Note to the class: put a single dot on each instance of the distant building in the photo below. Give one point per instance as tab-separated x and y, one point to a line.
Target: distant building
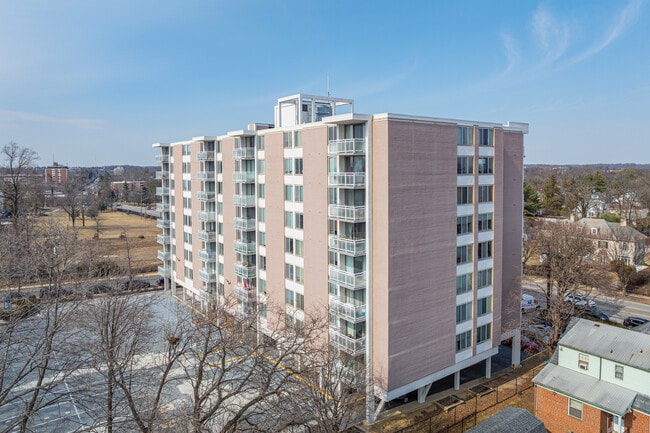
615	241
598	380
56	174
118	171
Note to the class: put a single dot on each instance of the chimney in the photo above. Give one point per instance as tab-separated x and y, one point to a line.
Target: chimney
572	218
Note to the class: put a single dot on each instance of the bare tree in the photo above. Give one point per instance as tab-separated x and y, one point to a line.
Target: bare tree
18	164
72	201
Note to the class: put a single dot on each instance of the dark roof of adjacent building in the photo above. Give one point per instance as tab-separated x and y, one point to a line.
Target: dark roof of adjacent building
510	420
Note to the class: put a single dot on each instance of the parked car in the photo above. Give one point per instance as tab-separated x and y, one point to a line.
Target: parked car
631	322
97	289
12	297
540	333
596	314
53	292
528	345
528	303
580	301
135	285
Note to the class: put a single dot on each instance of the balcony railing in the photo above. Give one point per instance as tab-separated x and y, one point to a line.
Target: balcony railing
162	190
162	175
205	156
205	175
207	216
164	271
207	276
162	158
245	294
207	236
347	213
353	346
350	247
162	224
244	200
207	255
163	256
347	146
243	176
243	153
352	280
162	239
246	224
162	207
349	180
245	248
245	271
349	312
205	195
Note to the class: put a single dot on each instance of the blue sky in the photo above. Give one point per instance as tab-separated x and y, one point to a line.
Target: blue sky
89	82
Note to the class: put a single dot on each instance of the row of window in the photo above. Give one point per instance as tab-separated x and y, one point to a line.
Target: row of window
293	193
464	311
465	136
464	252
464	282
465	194
464	339
296	300
293	220
293	166
294	273
293	246
464	224
465	165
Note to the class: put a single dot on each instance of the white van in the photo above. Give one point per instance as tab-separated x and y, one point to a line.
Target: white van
528	303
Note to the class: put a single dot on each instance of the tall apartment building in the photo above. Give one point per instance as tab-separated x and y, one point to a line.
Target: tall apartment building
408	229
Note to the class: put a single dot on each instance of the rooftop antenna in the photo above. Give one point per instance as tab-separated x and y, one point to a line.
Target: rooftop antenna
328	85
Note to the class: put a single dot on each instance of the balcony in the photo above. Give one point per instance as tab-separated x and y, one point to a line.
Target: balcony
162	239
162	190
245	294
205	196
162	207
349	312
347	180
164	272
246	224
244	200
207	255
205	175
163	256
353	346
243	176
351	280
162	158
243	153
347	213
245	248
207	217
162	175
207	276
162	224
347	146
350	247
205	156
207	236
245	270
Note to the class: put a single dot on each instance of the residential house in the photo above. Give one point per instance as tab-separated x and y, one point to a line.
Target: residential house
615	241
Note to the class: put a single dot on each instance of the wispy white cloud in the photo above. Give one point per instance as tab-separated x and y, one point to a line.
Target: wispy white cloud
10	117
511	51
625	19
551	33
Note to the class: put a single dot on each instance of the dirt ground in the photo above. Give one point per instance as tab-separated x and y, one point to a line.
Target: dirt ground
115	230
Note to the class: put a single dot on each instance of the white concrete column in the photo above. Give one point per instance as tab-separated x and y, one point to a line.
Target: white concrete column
457	380
516	348
488	368
422	393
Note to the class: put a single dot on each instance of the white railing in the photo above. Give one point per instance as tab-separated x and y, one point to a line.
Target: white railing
244	224
162	224
163	256
351	247
162	207
243	153
349	312
205	175
347	213
243	176
245	294
206	196
162	175
347	179
207	276
162	158
348	279
205	156
353	346
244	200
164	271
347	146
245	248
162	239
245	271
162	190
206	216
207	236
207	256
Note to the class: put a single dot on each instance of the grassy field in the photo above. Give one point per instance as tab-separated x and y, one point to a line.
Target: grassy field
115	230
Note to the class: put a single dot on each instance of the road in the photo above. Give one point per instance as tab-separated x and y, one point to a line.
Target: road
616	307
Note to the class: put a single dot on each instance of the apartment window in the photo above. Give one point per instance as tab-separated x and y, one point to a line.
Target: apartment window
297	165
300	272
464	195
188	273
464	224
187	185
299	221
288	193
262	263
486	165
262	238
485	136
288	166
288	219
188	255
218	146
220	289
298	193
262	285
575	408
289	297
288	271
286	139
463	341
260	166
220	208
463	283
484	278
288	245
219	187
261	215
464	254
484	221
464	165
483	333
602	244
485	193
484	250
464	135
219	167
220	228
260	142
220	248
463	312
300	301
187	220
618	371
484	306
297	139
299	248
583	361
221	268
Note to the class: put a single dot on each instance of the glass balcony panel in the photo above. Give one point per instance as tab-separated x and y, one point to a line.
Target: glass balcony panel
162	207
162	158
347	213
205	156
245	294
353	346
349	312
207	255
162	223
245	248
347	146
205	175
206	196
207	216
163	255
350	280
162	190
350	247
162	175
349	180
207	276
164	271
245	270
243	176
207	236
244	200
244	224
162	239
243	153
